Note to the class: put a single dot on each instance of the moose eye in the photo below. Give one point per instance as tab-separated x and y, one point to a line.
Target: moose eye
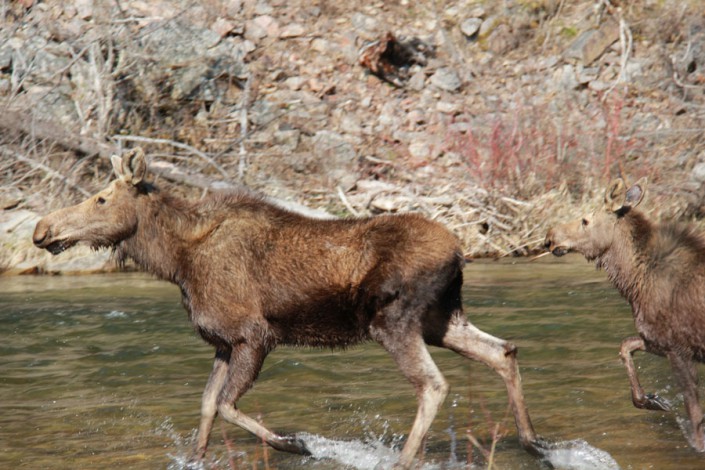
586	222
101	201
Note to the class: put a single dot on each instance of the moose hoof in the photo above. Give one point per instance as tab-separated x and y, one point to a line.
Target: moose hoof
653	402
538	447
291	444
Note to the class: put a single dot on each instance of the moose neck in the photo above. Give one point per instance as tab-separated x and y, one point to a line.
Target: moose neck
159	244
626	260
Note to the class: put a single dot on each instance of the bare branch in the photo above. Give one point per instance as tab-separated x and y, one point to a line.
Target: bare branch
49	171
173	143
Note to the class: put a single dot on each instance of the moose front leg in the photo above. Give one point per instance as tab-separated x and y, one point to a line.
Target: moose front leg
245	363
640	399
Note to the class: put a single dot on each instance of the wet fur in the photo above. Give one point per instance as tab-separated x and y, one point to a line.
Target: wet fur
660	270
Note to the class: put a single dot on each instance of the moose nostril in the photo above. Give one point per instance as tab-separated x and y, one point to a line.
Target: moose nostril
547	243
39	236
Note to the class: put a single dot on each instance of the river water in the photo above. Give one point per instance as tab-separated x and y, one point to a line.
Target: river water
104	371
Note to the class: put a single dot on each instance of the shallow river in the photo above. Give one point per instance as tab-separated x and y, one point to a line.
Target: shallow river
105	372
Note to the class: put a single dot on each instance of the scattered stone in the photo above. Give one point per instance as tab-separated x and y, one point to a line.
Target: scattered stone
350	124
416	116
417	82
389	203
478	12
587	74
222	27
320	45
488	25
336	157
366	26
447	79
598	85
293	30
698	172
84	9
420	150
287	138
294	83
565	79
501	40
471	26
268	24
448	107
591	44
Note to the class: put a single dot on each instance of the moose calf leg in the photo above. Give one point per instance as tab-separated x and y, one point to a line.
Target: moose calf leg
473	343
687	377
639	398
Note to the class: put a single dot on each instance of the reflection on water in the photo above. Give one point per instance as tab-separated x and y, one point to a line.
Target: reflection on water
105	371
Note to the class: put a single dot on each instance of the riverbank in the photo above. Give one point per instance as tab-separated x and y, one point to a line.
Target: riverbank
497	119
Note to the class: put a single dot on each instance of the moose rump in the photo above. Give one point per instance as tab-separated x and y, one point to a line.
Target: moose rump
254	276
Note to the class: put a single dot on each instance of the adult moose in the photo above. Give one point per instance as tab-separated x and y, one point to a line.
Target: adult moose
660	270
254	276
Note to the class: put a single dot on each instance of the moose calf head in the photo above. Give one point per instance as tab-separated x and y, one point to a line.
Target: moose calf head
103	220
592	234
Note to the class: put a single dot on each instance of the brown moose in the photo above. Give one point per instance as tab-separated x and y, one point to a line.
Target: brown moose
254	276
660	270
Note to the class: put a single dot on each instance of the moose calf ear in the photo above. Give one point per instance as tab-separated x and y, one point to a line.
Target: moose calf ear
615	195
636	193
134	166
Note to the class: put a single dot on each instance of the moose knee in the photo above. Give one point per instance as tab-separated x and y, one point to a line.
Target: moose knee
629	345
507	364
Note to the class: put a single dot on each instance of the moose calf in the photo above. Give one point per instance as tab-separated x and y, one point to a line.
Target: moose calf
254	276
660	270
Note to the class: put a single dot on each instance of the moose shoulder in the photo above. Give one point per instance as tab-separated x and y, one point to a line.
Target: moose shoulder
254	276
660	270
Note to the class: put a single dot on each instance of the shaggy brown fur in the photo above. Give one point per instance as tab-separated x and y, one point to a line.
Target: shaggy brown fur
254	276
660	270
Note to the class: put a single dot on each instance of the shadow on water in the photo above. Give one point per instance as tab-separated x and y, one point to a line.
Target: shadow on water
105	371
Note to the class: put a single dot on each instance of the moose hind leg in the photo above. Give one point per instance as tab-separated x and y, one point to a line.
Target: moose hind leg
210	398
646	401
471	342
411	355
245	363
687	377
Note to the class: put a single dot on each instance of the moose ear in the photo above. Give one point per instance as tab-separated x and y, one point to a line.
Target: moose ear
117	165
636	193
134	166
615	195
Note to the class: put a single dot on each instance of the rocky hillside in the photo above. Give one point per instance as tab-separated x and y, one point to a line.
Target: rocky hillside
497	118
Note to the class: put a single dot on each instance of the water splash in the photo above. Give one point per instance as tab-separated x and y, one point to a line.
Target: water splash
577	454
180	459
354	454
378	450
